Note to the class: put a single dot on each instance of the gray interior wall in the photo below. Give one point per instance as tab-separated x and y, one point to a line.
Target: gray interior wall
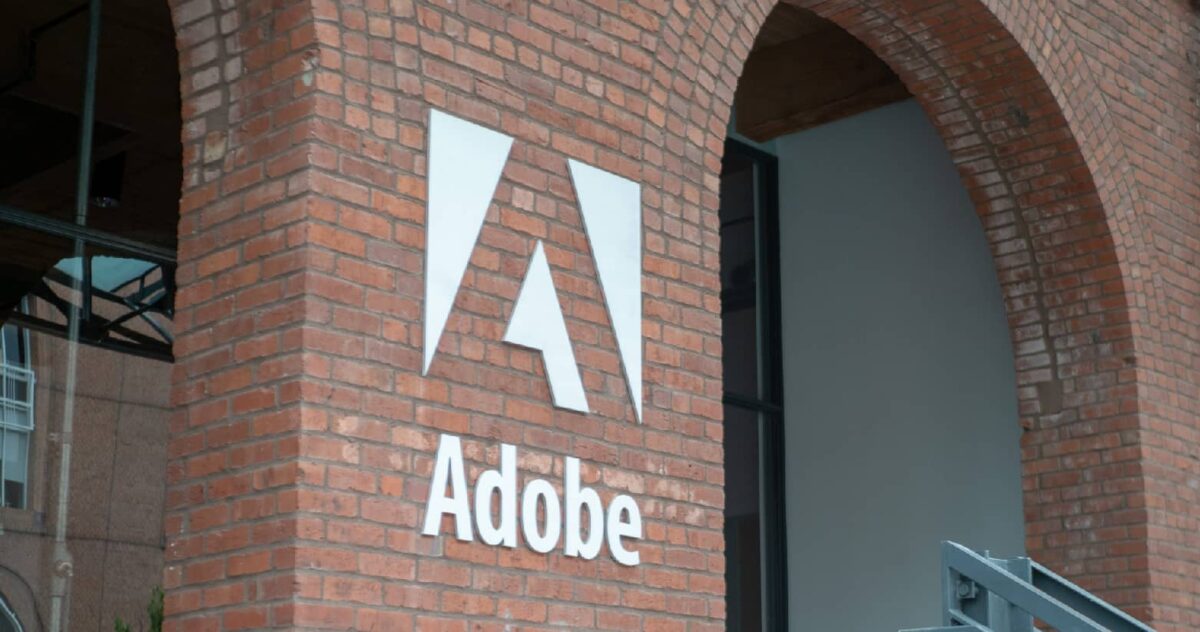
901	425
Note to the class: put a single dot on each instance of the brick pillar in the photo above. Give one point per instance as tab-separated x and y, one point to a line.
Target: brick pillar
304	435
245	296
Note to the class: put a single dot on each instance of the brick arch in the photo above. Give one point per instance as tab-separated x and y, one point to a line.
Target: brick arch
1062	245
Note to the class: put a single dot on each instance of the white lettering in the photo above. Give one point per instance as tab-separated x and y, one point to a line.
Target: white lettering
449	464
541	515
577	499
618	528
534	490
504	482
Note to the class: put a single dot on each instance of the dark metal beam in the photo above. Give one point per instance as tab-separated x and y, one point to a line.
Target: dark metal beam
157	351
25	219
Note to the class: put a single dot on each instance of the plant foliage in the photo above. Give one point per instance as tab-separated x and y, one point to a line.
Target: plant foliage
154	610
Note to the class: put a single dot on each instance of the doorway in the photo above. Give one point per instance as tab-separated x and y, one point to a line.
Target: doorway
870	388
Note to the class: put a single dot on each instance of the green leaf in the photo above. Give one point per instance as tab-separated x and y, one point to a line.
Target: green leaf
155	610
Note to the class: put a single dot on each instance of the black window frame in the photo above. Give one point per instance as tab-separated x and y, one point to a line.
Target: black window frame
769	403
141	296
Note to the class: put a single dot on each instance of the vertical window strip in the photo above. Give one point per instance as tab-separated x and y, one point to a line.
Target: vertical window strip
765	403
16	416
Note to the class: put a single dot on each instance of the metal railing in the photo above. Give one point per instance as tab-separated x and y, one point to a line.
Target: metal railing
986	594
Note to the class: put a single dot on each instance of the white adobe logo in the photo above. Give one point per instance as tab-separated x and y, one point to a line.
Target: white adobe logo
465	162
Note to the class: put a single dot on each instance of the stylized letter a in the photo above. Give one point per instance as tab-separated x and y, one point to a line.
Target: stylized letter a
465	162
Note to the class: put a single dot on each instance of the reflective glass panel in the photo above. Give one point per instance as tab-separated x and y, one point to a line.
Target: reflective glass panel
88	233
743	521
755	555
739	270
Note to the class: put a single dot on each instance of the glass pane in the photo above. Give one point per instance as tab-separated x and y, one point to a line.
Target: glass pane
738	278
94	387
12	345
16	465
19	391
26	256
743	521
115	407
129	301
109	274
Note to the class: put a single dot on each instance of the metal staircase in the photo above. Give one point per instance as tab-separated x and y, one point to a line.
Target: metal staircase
986	594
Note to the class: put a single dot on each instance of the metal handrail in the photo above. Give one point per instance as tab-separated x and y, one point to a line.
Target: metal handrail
987	594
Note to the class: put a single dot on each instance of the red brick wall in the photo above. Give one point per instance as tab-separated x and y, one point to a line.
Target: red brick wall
303	436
